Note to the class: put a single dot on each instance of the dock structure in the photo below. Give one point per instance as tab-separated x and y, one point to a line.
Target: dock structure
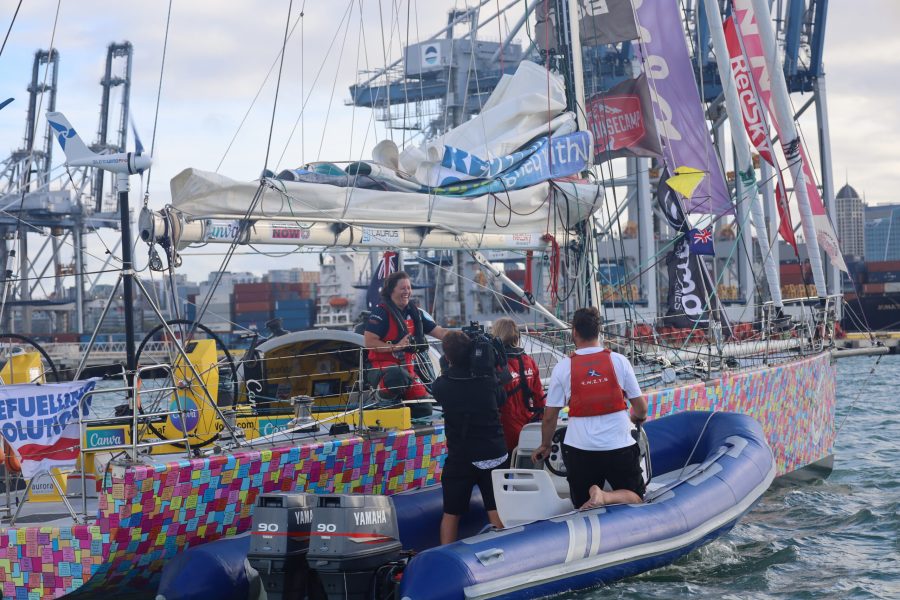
67	356
886	339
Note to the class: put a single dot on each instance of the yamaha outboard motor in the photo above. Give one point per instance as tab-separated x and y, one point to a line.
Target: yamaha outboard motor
279	541
354	545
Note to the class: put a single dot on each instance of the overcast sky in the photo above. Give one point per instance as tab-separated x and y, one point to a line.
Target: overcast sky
219	54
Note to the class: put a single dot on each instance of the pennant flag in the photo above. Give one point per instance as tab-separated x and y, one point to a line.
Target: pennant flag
600	21
686	180
41	423
701	241
622	121
386	266
669	204
5	102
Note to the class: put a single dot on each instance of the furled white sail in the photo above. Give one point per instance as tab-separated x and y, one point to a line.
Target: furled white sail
544	207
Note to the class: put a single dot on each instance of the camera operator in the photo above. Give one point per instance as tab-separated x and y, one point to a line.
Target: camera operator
524	391
475	444
394	332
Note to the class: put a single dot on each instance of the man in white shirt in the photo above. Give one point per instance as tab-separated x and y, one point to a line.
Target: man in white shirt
598	446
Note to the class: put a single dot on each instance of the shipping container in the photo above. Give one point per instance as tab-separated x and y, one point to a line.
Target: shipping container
294	304
253	316
873	288
880	266
250	307
883	276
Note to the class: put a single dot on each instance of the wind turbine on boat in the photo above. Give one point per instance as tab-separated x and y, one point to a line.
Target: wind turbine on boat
123	164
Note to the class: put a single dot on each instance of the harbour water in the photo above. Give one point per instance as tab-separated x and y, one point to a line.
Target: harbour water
832	538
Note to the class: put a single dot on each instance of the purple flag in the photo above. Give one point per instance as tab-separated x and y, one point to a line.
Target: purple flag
676	104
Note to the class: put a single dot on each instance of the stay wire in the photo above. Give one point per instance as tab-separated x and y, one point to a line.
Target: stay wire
8	31
162	70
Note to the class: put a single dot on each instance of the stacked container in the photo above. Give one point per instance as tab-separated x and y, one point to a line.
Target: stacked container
253	305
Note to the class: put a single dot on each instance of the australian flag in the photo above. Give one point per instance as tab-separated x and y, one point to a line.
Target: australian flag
386	266
701	241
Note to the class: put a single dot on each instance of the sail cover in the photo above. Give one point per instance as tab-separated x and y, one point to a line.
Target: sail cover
543	207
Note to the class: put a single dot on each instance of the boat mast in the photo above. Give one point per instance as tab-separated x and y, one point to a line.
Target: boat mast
790	141
588	290
740	141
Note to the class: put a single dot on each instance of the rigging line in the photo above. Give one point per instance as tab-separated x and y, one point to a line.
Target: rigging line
385	72
287	23
255	98
302	116
405	87
8	31
333	87
162	68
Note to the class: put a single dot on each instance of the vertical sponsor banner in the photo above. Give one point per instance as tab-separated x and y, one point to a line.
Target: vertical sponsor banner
748	33
753	110
687	303
677	107
622	123
40	422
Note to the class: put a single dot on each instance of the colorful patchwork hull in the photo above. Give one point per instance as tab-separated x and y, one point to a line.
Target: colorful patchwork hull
150	513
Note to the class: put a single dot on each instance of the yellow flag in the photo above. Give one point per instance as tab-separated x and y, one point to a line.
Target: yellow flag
685	180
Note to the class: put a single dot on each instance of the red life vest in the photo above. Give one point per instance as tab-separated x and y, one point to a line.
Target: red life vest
595	388
395	333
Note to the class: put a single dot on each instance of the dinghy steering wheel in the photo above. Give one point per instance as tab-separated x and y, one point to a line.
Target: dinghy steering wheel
554	462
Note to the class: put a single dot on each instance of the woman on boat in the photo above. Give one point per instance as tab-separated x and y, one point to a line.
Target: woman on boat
394	332
599	446
524	392
475	444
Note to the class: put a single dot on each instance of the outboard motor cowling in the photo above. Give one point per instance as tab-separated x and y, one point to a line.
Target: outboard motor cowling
352	538
279	541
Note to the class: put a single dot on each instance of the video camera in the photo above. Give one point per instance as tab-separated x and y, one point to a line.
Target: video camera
488	353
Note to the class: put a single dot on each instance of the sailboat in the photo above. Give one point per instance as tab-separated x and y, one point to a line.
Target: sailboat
508	179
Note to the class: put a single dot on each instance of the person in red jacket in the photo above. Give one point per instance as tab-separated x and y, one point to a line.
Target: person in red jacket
394	332
524	392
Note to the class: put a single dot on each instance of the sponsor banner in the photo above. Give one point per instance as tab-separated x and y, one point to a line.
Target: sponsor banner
105	437
289	232
40	422
380	236
676	102
546	158
687	296
753	109
622	121
600	21
223	230
524	240
748	34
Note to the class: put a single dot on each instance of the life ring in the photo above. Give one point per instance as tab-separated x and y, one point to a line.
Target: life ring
12	461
